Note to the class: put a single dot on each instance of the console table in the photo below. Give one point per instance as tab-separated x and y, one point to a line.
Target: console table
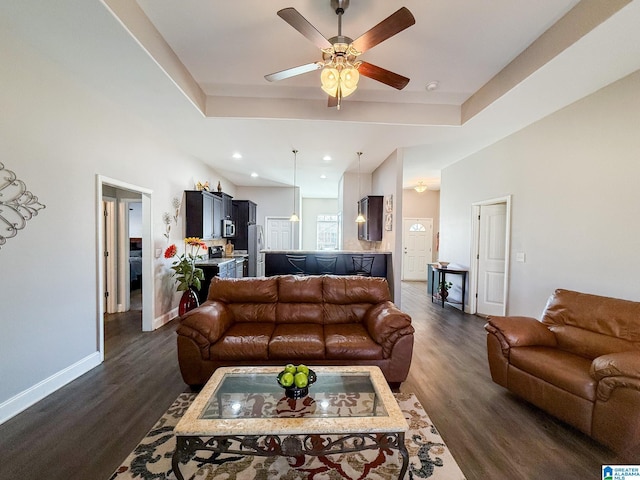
442	275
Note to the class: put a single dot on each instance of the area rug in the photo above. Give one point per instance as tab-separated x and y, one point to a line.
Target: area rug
429	457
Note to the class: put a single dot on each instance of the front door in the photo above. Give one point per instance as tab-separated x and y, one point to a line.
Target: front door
491	259
417	248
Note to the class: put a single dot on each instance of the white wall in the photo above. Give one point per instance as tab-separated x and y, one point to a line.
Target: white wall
386	181
576	200
350	193
274	202
57	135
311	208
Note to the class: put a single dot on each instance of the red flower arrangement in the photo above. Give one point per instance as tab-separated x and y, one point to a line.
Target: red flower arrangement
184	268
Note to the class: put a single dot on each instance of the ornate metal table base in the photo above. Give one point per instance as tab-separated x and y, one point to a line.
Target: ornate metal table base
289	446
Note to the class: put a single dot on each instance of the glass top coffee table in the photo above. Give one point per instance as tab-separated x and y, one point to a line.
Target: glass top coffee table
243	411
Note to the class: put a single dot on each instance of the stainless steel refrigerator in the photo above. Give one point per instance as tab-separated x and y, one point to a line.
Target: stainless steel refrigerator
255	247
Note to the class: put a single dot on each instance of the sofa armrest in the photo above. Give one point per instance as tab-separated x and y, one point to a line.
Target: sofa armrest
386	323
520	332
615	370
206	324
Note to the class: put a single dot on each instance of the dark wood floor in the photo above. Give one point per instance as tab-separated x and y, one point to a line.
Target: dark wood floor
84	430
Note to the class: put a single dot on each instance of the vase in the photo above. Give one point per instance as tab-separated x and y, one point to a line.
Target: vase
188	301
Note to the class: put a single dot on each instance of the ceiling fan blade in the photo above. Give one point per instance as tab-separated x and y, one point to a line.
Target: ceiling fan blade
301	24
387	28
292	72
332	102
382	75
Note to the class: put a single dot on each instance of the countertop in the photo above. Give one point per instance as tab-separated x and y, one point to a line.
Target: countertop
329	252
210	262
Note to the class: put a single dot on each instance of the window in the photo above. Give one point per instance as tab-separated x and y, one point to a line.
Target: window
327	232
417	227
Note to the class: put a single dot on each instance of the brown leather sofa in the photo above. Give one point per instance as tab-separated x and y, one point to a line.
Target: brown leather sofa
316	320
580	363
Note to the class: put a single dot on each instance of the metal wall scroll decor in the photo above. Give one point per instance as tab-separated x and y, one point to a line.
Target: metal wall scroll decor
17	205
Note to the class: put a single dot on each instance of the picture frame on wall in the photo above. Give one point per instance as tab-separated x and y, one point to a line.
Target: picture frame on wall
388	204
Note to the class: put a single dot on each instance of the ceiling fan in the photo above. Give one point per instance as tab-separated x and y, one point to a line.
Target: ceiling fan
340	66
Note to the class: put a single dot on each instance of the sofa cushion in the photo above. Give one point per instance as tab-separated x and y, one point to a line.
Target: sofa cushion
253	312
299	289
563	369
350	341
244	290
243	341
345	290
352	313
299	313
614	322
295	341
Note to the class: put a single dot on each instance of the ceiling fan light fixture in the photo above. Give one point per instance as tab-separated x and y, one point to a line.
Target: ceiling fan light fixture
421	187
330	78
339	82
349	78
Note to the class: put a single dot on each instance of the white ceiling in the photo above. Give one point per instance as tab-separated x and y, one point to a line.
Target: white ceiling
216	55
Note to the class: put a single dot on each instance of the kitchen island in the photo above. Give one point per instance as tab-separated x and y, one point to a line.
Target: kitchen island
373	263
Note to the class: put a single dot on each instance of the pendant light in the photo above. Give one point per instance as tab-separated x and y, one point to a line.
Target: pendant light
294	216
360	218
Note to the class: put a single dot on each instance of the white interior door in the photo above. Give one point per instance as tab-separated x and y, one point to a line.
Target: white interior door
492	259
279	234
109	255
417	235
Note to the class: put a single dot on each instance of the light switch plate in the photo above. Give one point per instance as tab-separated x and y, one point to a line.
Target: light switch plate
520	257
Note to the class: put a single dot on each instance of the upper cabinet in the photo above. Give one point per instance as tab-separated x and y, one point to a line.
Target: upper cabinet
203	212
227	205
371	209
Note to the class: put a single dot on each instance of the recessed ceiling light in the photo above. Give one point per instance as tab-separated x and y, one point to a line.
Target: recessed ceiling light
431	86
237	156
254	174
323	176
326	158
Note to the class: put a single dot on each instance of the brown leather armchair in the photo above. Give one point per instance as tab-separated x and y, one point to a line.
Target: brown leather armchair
580	363
317	320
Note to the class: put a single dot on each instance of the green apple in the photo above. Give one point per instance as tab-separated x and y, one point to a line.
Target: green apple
287	379
291	368
303	368
301	380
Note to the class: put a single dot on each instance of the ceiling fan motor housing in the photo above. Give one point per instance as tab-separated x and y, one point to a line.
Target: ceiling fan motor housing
339	6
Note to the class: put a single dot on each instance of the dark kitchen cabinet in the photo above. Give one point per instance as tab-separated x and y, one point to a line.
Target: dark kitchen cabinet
245	211
227	205
371	209
217	216
199	214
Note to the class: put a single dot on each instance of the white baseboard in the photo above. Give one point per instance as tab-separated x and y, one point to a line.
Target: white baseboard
34	394
166	318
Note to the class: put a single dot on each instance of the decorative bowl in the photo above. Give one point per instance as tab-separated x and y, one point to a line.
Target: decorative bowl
443	264
297	393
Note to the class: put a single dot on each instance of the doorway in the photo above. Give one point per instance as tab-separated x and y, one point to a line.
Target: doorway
148	308
490	250
417	247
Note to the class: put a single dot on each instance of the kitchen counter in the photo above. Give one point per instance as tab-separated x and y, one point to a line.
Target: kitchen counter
210	262
333	262
329	252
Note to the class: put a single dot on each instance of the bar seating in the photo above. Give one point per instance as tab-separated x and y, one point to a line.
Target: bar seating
327	264
299	263
362	265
